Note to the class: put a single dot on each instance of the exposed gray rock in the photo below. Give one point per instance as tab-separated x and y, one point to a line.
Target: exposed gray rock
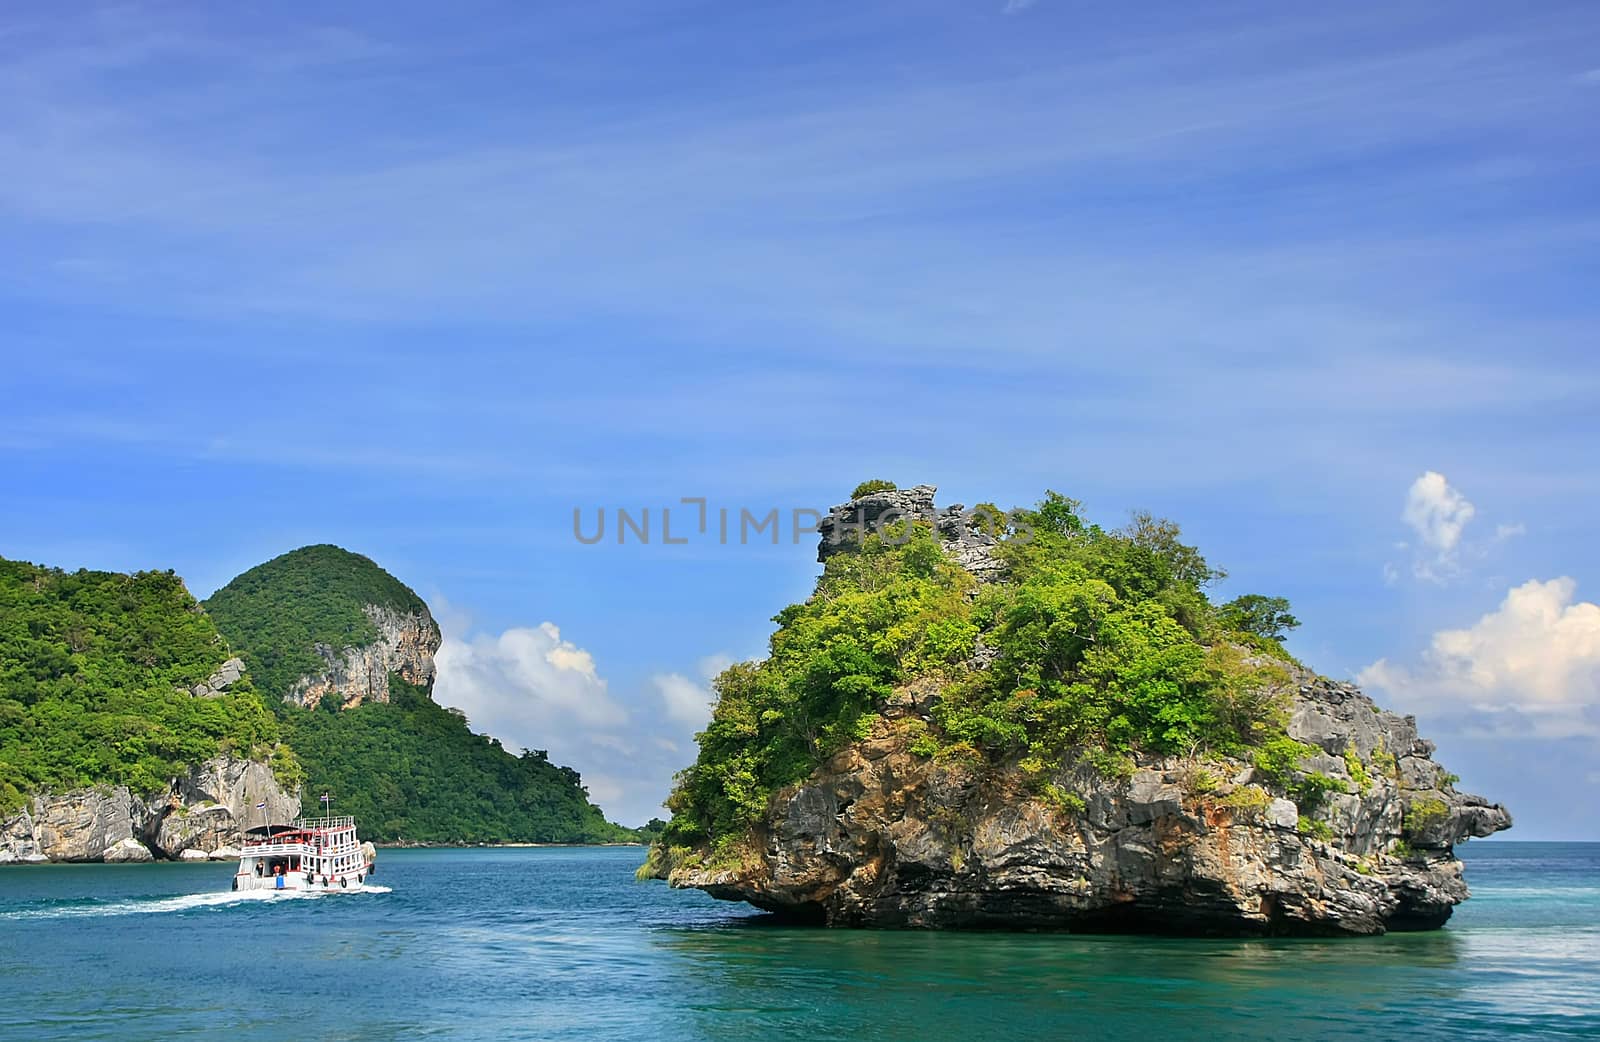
970	537
212	805
204	810
125	850
225	677
881	837
406	645
846	524
77	826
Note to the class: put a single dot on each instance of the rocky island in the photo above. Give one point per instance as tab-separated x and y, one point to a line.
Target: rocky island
1020	720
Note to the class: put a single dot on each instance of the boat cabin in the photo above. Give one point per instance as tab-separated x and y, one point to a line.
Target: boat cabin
305	854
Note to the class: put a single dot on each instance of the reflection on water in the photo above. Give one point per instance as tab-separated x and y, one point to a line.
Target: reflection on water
908	985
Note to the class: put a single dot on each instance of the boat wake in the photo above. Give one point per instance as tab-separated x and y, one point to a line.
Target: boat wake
95	908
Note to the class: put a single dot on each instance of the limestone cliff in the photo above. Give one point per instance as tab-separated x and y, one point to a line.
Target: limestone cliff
201	814
322	622
405	645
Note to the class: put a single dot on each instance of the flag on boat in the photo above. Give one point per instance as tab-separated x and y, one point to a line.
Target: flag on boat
260	805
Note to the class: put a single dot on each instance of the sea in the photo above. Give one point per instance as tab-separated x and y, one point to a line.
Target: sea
563	943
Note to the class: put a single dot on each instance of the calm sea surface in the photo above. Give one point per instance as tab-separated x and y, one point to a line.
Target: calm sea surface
563	944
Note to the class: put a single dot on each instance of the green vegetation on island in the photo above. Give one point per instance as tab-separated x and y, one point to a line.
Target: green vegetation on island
1097	643
95	672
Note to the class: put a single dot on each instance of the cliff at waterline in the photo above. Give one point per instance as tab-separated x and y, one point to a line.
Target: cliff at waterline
127	729
1025	721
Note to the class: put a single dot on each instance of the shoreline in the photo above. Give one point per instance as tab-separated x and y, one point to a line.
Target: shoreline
32	863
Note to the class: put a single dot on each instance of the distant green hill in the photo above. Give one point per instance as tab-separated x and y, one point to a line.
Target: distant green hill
276	613
407	769
95	669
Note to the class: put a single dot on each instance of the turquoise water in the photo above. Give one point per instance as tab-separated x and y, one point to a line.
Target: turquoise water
563	944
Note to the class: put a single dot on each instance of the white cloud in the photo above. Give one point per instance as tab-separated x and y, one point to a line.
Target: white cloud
1535	658
688	701
604	791
715	663
530	688
1018	6
1438	513
1503	532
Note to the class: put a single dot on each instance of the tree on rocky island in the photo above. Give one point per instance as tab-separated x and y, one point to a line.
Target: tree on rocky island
1258	615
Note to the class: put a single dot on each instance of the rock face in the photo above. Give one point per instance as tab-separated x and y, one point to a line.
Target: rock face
406	645
881	837
202	811
969	535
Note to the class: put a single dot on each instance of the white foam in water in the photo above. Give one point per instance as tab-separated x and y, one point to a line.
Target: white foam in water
184	903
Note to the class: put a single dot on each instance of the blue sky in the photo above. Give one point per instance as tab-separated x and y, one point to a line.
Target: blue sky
420	280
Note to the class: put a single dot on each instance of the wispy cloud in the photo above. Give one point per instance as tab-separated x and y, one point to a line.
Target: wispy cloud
689	702
1438	513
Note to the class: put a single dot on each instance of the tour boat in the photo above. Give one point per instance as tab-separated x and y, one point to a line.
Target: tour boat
308	854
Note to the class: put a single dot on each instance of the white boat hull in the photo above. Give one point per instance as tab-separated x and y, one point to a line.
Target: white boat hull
296	882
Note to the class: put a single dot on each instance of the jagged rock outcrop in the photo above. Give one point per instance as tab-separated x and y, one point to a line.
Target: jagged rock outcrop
204	812
881	837
969	536
208	808
406	645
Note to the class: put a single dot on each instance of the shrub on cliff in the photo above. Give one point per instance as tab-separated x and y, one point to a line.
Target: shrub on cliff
871	485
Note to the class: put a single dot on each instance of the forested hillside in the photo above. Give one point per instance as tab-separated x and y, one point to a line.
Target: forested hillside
413	770
1094	639
95	672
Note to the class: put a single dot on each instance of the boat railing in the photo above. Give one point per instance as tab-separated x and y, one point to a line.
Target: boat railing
324	823
269	848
